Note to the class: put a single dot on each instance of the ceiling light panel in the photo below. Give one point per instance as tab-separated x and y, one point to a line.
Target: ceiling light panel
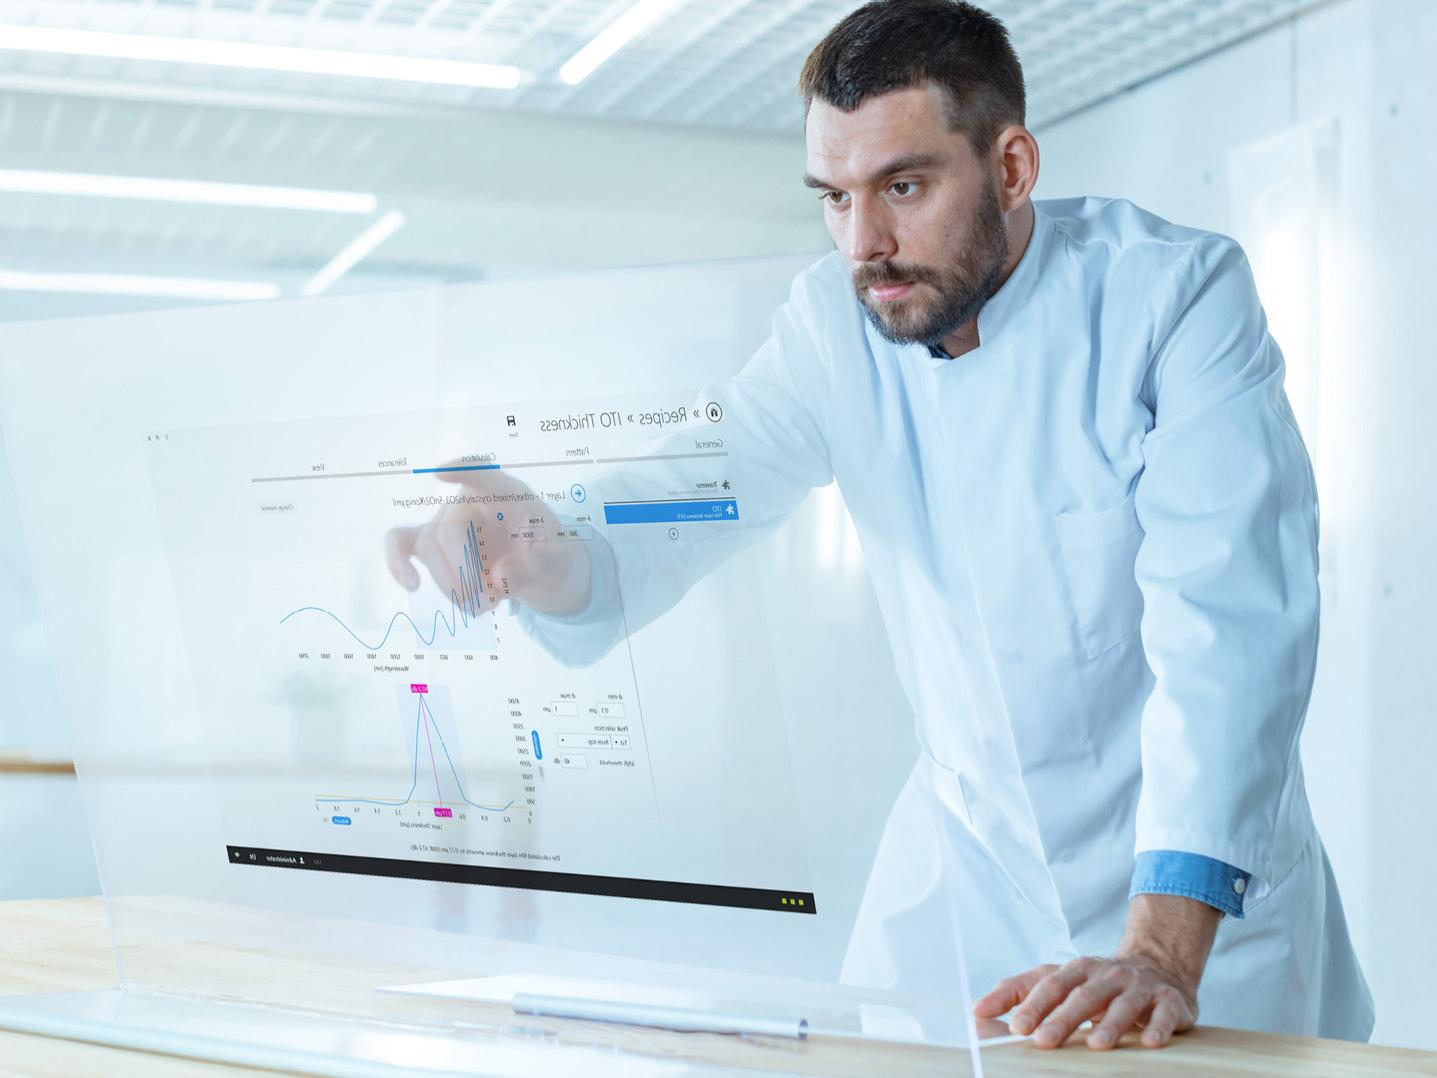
252	56
158	189
125	284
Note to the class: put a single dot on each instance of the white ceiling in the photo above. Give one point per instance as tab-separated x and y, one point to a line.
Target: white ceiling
724	63
685	141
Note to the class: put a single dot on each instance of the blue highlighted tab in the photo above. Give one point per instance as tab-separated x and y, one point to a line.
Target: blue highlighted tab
342	820
457	468
685	512
538	749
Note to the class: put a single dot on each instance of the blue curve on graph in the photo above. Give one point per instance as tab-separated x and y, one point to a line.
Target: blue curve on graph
465	603
419	720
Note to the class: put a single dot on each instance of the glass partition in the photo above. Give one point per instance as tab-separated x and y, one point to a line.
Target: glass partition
495	632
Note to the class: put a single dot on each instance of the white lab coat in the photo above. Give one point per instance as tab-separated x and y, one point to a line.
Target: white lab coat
1094	543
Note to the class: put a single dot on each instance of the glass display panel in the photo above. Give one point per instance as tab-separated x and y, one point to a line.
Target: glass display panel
473	632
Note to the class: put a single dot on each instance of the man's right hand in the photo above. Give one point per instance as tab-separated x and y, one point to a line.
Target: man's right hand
522	558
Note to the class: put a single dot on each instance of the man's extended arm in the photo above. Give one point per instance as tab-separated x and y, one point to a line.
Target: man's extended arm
578	599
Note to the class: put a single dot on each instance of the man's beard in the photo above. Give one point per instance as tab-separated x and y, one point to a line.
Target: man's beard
962	287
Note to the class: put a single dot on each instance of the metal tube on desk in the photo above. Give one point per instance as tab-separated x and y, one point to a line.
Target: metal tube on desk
682	1019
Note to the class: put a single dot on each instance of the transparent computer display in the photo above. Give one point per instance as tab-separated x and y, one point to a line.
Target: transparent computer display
481	631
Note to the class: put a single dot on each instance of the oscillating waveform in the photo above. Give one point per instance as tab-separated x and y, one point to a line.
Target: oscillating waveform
466	602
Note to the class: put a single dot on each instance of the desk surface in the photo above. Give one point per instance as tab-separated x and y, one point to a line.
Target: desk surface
63	945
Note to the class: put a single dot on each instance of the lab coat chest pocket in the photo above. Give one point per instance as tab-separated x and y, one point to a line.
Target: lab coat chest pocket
1099	549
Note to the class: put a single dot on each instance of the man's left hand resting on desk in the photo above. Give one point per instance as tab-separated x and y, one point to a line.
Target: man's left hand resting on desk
1151	981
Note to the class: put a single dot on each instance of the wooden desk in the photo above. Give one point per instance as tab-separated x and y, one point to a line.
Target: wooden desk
63	945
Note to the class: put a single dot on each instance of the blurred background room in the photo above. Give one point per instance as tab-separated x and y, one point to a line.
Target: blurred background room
163	153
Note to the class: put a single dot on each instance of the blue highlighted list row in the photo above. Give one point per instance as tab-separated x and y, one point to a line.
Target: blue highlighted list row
680	512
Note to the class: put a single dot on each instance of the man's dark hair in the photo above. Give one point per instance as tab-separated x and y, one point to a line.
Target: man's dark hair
891	45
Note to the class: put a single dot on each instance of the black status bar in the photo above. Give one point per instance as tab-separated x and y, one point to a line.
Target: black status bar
573	883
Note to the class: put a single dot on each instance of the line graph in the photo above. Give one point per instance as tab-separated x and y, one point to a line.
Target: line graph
466	604
424	720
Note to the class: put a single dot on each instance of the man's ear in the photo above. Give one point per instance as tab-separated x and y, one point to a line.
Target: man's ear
1017	162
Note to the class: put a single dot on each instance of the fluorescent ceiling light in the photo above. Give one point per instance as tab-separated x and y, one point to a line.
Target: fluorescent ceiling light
160	190
359	249
613	38
115	284
186	50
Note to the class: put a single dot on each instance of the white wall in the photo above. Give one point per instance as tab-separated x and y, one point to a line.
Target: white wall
1350	302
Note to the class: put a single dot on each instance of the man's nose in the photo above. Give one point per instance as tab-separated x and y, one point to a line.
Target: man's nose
870	238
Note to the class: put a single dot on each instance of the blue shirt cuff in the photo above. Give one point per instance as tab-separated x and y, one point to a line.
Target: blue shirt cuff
1190	875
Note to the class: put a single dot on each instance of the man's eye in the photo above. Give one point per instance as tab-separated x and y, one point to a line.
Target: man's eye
903	188
833	198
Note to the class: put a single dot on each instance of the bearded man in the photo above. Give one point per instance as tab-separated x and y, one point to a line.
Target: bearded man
1092	527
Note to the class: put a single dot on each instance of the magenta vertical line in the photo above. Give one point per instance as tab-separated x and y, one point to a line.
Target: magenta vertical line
439	794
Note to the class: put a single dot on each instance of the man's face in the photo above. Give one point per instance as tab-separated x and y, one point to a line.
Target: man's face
912	209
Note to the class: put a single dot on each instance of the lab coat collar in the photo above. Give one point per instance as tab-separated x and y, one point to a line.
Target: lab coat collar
1004	305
